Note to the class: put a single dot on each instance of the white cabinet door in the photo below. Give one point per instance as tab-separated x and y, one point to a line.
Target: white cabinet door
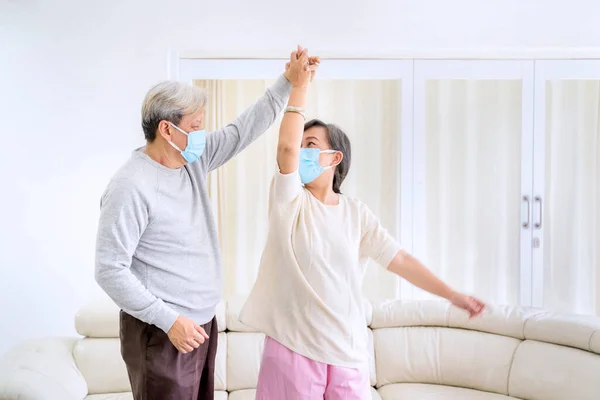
566	255
473	175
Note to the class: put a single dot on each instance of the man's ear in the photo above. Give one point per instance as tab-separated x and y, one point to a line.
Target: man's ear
164	129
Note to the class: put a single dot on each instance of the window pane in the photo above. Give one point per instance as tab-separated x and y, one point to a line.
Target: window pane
473	174
571	220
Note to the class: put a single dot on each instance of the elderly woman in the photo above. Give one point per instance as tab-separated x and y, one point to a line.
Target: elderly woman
307	298
157	254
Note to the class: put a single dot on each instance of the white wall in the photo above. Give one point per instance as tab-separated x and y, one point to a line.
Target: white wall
73	73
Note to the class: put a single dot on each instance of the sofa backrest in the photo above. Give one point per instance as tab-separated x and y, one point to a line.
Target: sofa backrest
237	365
245	345
98	354
521	352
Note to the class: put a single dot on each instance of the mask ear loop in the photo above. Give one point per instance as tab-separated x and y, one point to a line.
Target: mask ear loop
180	130
330	151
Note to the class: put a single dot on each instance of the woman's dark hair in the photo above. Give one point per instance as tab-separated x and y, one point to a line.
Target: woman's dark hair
339	141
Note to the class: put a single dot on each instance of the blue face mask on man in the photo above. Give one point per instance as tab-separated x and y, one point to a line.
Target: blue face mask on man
309	167
196	144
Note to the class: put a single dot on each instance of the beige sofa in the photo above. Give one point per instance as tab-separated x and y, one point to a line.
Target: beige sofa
420	350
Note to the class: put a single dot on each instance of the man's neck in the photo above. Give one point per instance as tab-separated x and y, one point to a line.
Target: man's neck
163	153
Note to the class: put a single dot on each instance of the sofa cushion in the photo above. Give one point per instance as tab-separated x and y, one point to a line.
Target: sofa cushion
112	377
41	369
595	342
501	320
220	314
244	354
219	395
111	396
232	314
372	375
544	371
100	319
250	394
419	313
565	329
90	353
221	363
246	394
412	391
235	305
444	356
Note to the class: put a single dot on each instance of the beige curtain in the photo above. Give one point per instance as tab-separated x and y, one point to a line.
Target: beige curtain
369	111
472	185
572	200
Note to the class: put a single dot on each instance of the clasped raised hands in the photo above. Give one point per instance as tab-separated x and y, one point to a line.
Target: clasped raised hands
301	68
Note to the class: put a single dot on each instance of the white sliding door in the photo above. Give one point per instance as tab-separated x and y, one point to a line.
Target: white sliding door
473	175
371	100
567	186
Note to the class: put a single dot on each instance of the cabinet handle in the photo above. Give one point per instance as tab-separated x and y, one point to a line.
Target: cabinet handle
538	224
526	200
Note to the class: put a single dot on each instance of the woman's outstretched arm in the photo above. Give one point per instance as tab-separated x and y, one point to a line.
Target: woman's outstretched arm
411	269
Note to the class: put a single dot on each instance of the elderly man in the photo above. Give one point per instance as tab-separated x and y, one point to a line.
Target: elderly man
157	254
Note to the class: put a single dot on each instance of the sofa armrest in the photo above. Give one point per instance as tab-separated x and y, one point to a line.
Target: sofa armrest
41	369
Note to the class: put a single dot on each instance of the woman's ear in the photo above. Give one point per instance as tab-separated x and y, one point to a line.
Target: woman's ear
337	159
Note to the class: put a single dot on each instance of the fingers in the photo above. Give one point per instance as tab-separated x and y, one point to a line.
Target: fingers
193	343
301	67
470	304
197	339
185	348
481	304
303	58
299	59
313	63
301	55
201	331
475	307
296	54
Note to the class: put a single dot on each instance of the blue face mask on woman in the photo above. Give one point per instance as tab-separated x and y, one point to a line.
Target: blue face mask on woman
309	167
196	144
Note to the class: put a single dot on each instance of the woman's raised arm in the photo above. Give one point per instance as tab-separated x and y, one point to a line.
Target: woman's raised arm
302	69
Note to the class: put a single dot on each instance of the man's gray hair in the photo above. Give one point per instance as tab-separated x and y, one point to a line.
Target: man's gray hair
170	101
